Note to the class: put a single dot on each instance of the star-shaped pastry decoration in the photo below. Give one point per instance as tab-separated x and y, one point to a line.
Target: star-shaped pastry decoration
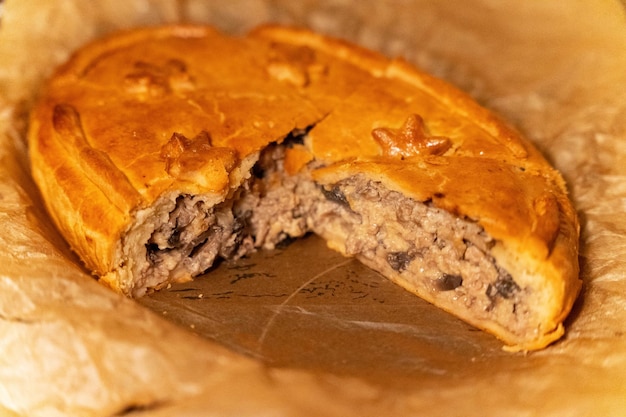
410	139
180	144
187	159
150	80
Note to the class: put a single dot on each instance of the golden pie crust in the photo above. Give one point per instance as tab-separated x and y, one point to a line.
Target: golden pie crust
186	110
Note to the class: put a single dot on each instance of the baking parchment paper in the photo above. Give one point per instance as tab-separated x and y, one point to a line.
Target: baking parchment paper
301	330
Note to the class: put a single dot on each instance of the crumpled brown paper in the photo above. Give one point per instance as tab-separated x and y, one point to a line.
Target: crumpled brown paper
272	336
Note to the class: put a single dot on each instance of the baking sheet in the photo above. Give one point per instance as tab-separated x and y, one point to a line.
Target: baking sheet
302	331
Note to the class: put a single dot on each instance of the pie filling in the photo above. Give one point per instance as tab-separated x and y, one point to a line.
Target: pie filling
443	258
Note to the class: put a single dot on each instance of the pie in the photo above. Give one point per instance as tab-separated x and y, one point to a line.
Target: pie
159	151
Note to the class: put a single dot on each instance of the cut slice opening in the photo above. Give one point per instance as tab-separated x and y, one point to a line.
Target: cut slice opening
442	258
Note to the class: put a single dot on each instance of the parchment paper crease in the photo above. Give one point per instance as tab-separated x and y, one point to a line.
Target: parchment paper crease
335	339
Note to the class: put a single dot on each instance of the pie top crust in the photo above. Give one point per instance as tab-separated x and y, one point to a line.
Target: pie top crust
187	109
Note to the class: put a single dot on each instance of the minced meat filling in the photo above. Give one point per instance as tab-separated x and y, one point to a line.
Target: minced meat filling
430	249
415	242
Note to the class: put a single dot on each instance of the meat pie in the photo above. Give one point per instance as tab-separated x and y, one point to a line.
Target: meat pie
161	150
